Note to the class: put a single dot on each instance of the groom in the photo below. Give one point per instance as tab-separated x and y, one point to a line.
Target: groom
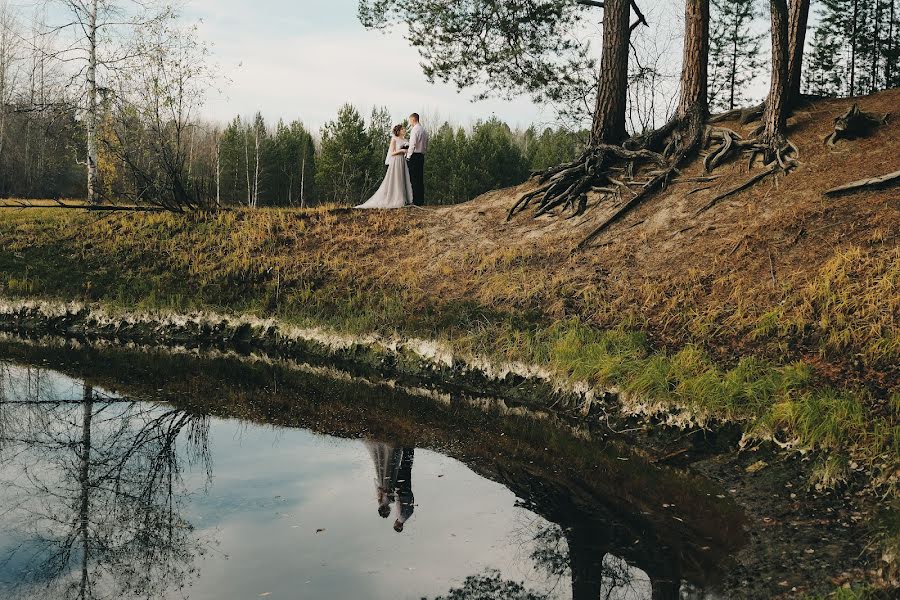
418	146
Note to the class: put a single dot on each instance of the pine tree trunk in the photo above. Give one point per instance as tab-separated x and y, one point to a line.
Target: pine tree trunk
876	35
889	63
853	31
775	118
609	114
693	102
733	74
798	18
91	118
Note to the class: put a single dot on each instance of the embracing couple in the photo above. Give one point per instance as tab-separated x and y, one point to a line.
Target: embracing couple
404	184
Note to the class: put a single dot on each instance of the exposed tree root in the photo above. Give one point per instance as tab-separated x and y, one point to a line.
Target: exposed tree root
853	124
758	177
889	180
780	157
632	171
645	170
565	187
657	182
743	115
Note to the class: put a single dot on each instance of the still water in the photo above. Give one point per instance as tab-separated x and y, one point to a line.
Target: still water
135	475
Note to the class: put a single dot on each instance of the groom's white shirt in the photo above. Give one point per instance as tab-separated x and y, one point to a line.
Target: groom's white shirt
418	141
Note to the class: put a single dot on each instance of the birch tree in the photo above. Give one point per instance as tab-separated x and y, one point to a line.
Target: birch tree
98	32
157	104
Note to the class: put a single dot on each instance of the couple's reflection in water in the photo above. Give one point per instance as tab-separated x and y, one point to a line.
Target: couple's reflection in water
393	481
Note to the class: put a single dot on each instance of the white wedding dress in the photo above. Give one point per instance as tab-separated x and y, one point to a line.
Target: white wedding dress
396	189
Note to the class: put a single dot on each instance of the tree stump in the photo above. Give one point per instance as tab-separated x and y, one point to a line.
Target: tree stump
853	124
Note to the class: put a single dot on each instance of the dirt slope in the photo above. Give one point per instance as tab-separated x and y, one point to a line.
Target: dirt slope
778	267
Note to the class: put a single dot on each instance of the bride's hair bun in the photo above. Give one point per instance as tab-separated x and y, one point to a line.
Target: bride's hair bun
396	129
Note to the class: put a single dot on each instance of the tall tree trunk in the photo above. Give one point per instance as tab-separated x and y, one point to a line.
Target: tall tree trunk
218	171
247	164
798	17
609	114
92	117
303	182
853	30
775	117
734	60
889	63
876	39
693	101
256	171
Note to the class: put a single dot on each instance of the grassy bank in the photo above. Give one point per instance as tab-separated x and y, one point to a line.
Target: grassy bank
779	308
313	268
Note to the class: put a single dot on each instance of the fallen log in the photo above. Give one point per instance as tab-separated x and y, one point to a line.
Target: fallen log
889	180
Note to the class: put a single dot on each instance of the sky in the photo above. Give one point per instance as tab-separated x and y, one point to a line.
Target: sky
303	59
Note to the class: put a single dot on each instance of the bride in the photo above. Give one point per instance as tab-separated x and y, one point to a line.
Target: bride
396	189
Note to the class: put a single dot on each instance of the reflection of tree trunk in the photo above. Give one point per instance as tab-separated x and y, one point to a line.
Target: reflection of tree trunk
85	484
585	562
666	580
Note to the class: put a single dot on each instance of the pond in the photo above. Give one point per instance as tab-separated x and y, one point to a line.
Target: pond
156	474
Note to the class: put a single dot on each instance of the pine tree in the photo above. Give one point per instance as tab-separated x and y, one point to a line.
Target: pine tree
891	47
345	147
735	52
290	160
854	49
444	166
231	161
495	159
378	136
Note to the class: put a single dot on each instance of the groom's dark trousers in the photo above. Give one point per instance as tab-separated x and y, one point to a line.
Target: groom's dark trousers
417	177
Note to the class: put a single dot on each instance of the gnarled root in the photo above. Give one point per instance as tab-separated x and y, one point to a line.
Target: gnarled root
780	157
636	168
743	115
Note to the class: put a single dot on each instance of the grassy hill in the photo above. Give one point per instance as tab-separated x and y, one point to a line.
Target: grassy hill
778	308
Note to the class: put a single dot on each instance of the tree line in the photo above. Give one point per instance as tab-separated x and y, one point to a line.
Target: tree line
288	165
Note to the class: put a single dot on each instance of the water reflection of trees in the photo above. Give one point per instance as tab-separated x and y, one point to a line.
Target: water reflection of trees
612	534
92	490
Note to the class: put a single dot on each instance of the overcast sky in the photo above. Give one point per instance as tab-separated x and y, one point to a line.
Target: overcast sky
302	59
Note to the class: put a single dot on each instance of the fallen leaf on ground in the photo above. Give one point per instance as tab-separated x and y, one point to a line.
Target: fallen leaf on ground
757	466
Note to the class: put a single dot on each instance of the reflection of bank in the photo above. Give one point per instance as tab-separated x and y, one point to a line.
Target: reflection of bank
613	508
393	481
